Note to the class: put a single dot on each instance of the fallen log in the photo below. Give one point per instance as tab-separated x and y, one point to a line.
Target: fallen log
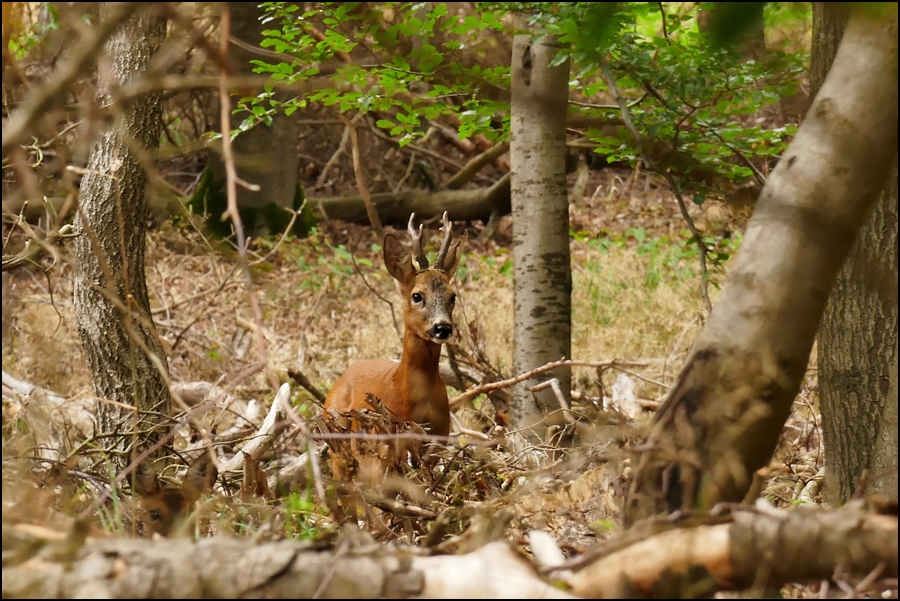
395	208
690	557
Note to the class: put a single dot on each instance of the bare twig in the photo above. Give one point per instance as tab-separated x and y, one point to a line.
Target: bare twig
361	180
231	188
407	173
378	296
662	385
342	147
470	169
257	50
662	11
474	392
651	164
310	451
41	99
553	383
462	431
30	251
300	378
215	290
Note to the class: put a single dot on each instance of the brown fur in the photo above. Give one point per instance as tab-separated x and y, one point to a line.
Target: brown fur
412	389
163	507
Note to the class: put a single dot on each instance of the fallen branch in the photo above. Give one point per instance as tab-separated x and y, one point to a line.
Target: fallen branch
553	383
764	547
474	392
300	378
476	164
259	442
694	556
56	422
461	205
231	568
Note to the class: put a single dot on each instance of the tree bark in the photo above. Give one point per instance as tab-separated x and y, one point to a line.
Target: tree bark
265	155
111	302
857	353
857	360
542	271
829	23
722	420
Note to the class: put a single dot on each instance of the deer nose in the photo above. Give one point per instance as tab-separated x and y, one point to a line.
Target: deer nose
441	331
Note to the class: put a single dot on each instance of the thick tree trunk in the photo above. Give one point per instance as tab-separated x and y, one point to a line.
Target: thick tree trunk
829	23
111	302
857	360
267	154
723	418
543	275
857	354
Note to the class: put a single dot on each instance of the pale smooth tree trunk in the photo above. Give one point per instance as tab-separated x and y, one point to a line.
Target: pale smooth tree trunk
264	155
857	342
723	418
543	275
111	302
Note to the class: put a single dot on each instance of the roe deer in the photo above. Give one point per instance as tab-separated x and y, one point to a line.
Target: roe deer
412	389
163	507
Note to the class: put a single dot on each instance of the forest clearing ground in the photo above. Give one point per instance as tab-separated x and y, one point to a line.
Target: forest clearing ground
636	296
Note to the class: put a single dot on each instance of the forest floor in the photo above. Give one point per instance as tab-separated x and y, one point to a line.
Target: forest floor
326	301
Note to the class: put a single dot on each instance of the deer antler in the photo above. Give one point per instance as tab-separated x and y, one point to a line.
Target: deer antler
421	259
445	245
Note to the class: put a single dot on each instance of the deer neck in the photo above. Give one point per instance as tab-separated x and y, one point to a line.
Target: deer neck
418	368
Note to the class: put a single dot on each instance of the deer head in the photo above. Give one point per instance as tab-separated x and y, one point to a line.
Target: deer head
163	507
427	291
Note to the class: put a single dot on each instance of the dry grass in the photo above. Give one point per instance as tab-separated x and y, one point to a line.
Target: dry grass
635	296
320	315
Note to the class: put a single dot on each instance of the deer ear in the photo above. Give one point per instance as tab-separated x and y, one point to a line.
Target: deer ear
200	477
397	259
451	261
146	484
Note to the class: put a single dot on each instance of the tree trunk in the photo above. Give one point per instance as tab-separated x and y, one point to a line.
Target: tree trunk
723	418
543	275
751	42
111	302
265	155
857	354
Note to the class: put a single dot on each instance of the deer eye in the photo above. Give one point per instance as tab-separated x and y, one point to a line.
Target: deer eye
155	515
417	298
452	299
